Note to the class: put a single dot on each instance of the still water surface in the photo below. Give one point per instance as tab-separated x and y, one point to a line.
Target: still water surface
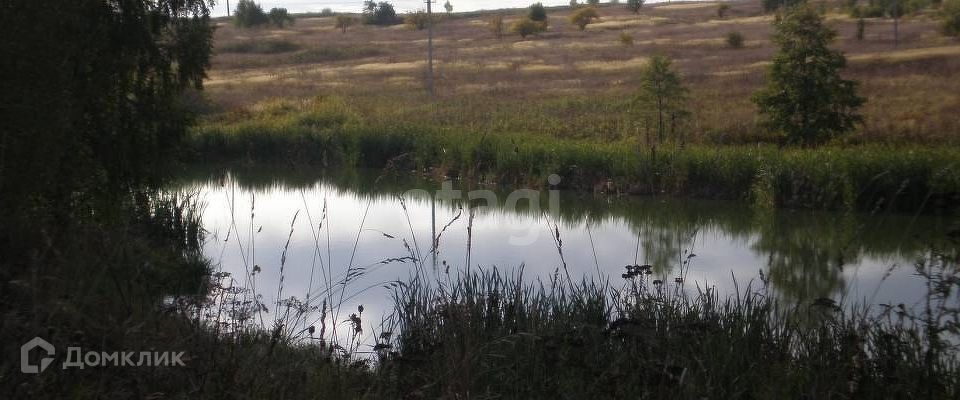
804	255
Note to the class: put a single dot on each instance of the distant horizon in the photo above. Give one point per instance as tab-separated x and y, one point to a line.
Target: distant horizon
402	6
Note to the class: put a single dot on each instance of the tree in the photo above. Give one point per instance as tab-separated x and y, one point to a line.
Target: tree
447	6
280	17
593	3
496	26
662	97
93	102
537	13
635	5
861	27
249	14
343	22
950	17
805	97
722	10
381	13
583	17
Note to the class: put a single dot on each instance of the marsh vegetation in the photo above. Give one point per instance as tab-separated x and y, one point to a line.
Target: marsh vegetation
109	243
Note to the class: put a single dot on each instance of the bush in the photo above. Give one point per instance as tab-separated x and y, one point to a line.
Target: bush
280	17
496	26
342	22
537	13
735	40
249	14
417	20
722	10
584	17
635	5
770	5
381	13
626	39
526	27
950	17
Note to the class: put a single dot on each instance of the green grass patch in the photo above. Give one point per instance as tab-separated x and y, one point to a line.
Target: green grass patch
327	131
260	46
333	53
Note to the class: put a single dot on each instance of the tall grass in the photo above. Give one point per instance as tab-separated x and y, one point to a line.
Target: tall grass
487	335
326	131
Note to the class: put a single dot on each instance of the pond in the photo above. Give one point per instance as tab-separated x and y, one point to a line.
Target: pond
286	234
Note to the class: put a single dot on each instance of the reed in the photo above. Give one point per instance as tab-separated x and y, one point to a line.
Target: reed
326	131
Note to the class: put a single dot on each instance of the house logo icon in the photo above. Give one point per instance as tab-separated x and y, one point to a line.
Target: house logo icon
25	365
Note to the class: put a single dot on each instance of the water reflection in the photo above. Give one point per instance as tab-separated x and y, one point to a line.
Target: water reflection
806	255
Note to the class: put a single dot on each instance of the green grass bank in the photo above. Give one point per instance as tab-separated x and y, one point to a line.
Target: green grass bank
325	132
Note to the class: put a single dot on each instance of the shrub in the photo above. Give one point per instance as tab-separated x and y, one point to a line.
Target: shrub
417	20
950	17
249	14
805	98
635	5
496	26
626	39
584	17
722	10
735	40
526	27
537	13
381	13
770	5
343	22
280	17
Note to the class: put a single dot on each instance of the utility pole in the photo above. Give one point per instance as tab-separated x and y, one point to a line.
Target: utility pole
429	49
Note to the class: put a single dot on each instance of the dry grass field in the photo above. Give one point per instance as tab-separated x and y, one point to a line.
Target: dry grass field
568	83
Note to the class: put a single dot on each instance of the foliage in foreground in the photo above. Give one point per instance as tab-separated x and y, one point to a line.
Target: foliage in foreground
487	335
